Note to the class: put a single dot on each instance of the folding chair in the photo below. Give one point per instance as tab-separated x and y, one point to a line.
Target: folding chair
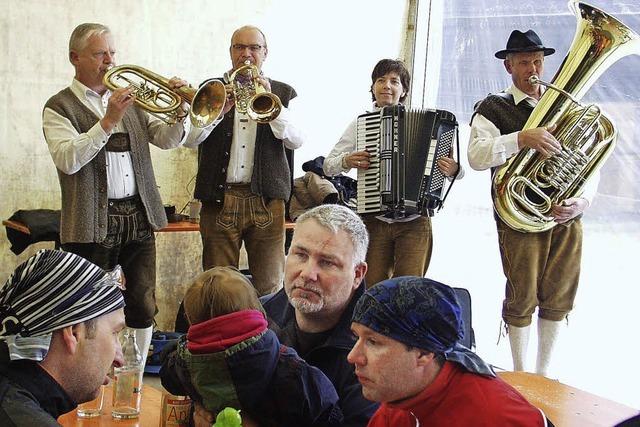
464	299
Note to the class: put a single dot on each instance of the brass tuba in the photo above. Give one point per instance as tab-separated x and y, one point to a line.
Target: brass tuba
527	185
251	97
153	94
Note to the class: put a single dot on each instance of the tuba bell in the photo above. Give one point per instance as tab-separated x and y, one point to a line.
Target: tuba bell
527	186
251	97
153	94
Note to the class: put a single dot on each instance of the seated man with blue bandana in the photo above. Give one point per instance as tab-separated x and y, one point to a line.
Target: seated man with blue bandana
408	357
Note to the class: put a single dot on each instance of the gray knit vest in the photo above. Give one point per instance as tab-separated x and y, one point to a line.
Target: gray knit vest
84	193
503	113
271	176
500	110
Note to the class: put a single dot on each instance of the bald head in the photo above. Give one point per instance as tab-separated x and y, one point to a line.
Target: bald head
248	43
249	28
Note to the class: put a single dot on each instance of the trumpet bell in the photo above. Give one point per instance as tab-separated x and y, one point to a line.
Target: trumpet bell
207	103
264	107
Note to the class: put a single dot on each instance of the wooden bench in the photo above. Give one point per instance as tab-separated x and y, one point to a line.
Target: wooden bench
567	406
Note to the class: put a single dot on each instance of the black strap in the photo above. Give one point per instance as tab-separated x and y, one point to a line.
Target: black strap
457	159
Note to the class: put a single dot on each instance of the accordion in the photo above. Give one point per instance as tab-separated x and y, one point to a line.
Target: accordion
403	177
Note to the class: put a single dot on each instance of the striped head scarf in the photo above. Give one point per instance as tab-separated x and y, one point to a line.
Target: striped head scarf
53	290
420	313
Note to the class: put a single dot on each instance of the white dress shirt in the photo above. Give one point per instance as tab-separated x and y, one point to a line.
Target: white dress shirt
488	148
243	141
71	150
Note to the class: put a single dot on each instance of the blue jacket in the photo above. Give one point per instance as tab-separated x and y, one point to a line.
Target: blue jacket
266	380
330	356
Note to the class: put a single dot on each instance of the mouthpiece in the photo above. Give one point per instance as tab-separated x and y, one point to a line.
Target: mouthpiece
534	80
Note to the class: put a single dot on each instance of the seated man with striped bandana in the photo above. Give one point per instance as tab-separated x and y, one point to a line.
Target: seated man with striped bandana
60	315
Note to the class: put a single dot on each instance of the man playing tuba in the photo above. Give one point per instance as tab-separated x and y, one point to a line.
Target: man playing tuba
542	269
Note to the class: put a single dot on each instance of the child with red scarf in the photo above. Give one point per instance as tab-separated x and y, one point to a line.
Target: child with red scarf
230	359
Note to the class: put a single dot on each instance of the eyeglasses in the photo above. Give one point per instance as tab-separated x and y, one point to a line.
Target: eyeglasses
252	47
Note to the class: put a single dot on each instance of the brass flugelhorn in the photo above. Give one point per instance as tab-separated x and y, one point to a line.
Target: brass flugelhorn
527	186
251	97
153	94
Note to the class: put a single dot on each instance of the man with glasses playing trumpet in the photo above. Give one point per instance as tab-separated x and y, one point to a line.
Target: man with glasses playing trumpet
244	176
100	146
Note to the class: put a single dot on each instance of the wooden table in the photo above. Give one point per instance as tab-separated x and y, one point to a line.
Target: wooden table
171	227
564	405
149	412
567	406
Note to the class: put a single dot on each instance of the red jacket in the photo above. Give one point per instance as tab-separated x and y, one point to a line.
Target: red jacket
460	398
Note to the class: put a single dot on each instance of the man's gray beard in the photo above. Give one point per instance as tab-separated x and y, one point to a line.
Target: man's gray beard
305	306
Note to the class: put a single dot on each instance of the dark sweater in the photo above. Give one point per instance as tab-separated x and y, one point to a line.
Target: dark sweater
29	396
330	355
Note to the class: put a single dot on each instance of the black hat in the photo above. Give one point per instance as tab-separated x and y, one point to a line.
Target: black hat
524	42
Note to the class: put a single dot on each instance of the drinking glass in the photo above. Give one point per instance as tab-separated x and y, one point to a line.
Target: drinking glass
93	408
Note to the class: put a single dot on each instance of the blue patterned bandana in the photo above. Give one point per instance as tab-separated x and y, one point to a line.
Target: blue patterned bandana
420	313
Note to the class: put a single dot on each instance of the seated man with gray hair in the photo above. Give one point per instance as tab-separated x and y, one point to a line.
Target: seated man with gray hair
60	315
323	278
408	357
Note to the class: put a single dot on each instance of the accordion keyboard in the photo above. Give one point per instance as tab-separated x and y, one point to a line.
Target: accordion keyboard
368	137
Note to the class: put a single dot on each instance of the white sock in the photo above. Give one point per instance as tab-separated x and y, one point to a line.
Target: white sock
143	339
547	337
519	341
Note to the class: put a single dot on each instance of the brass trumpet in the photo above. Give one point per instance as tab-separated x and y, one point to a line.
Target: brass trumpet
153	94
251	97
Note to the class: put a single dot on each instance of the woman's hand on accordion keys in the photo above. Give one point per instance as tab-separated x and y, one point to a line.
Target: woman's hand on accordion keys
357	159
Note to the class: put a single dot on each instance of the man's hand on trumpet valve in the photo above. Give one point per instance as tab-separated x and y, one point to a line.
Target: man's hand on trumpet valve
230	102
265	83
119	101
176	83
540	139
